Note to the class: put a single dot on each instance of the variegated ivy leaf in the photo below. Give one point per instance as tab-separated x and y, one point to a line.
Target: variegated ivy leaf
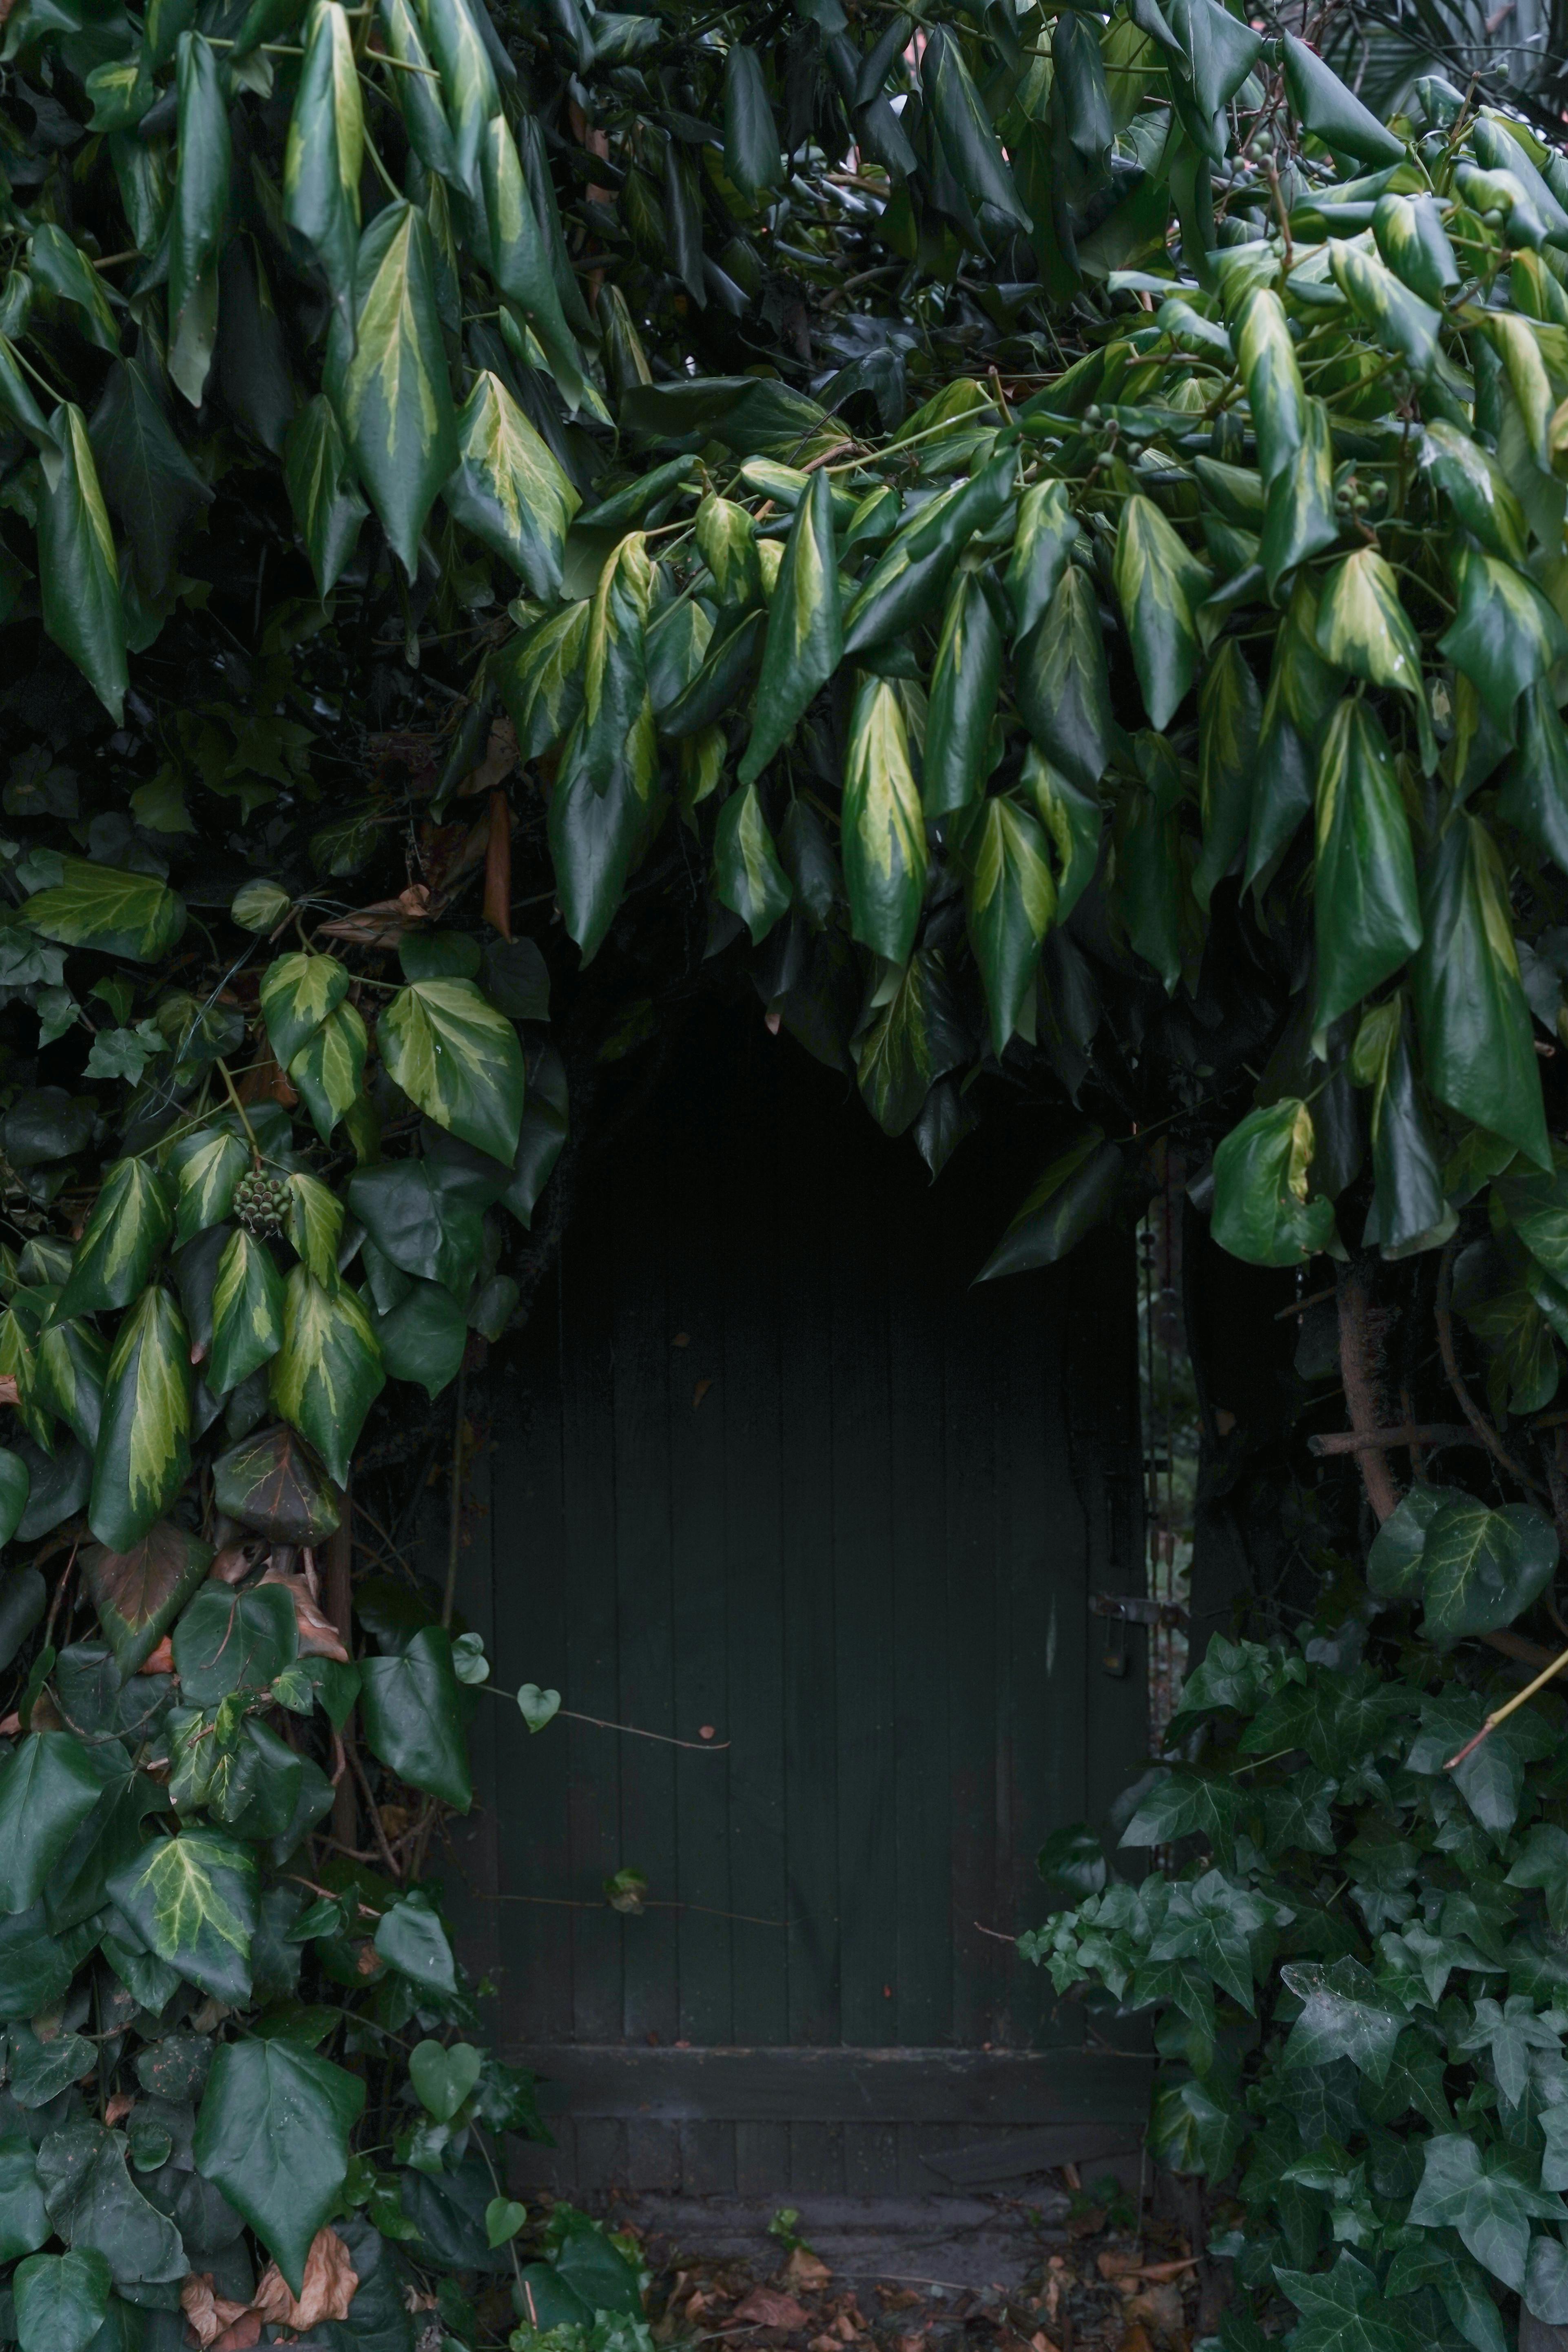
129	1222
1275	392
1010	897
467	84
247	1310
1364	628
205	1168
1159	582
322	491
328	1373
329	1068
458	1060
390	386
315	1225
143	1454
884	838
298	992
541	679
131	915
508	489
747	875
192	1901
326	144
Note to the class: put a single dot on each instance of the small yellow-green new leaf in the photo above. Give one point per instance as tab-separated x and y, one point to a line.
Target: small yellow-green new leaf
458	1060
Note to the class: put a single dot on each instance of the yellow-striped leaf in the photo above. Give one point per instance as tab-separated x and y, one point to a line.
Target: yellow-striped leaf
508	489
1275	392
143	1451
884	839
520	258
329	1068
467	84
315	1225
102	906
129	1222
1010	897
417	89
322	159
247	1313
392	393
327	1372
1362	627
205	1168
319	479
298	992
1159	581
458	1060
747	875
805	630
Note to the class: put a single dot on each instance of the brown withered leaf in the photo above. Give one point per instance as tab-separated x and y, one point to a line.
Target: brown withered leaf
160	1660
766	2307
235	1561
318	1637
497	866
139	1593
208	2315
804	2271
326	2291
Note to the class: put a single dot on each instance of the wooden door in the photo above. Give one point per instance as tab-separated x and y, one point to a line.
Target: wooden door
766	1466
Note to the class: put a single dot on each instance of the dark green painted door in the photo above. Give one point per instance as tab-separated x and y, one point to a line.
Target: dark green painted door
766	1475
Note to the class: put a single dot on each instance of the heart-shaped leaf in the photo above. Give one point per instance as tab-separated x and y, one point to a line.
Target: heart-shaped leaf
539	1707
504	2217
442	2079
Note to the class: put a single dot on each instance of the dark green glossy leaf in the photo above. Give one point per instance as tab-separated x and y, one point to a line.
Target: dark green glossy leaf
1474	1020
413	1712
273	2135
78	570
1261	1209
804	636
1074	1195
1364	896
196	222
48	1788
390	388
965	681
751	157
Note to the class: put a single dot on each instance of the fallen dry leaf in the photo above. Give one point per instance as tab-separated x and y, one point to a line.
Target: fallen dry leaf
210	2316
1118	2261
803	2269
160	1660
246	2332
235	1562
1158	2307
844	2327
9	1392
118	2108
1041	2342
497	866
10	1725
766	2307
1135	2339
1169	2270
326	2291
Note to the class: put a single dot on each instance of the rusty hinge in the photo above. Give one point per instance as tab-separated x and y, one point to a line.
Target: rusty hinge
1134	1610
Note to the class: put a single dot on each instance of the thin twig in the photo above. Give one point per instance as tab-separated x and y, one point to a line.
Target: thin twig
1501	1714
455	1505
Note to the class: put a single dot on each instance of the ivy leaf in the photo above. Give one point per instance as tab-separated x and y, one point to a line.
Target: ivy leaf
1508	2032
1342	2310
968	142
1482	497
272	1485
467	83
1158	582
965	679
315	1225
205	1167
298	992
1364	898
1410	1203
322	164
1042	545
1542	1863
1229	710
1506	636
322	492
78	570
143	1454
908	581
192	1901
273	2135
1074	1195
392	390
1475	1022
1275	395
805	633
1345	2015
418	90
147	479
752	158
411	1939
139	1593
121	914
197	219
413	1712
1322	104
458	1060
24	2220
1010	897
1482	1569
444	2076
329	1068
247	1313
1301	520
747	875
61	2300
424	1337
327	1372
508	489
884	840
1483	2198
48	1788
1063	686
229	1641
1261	1212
